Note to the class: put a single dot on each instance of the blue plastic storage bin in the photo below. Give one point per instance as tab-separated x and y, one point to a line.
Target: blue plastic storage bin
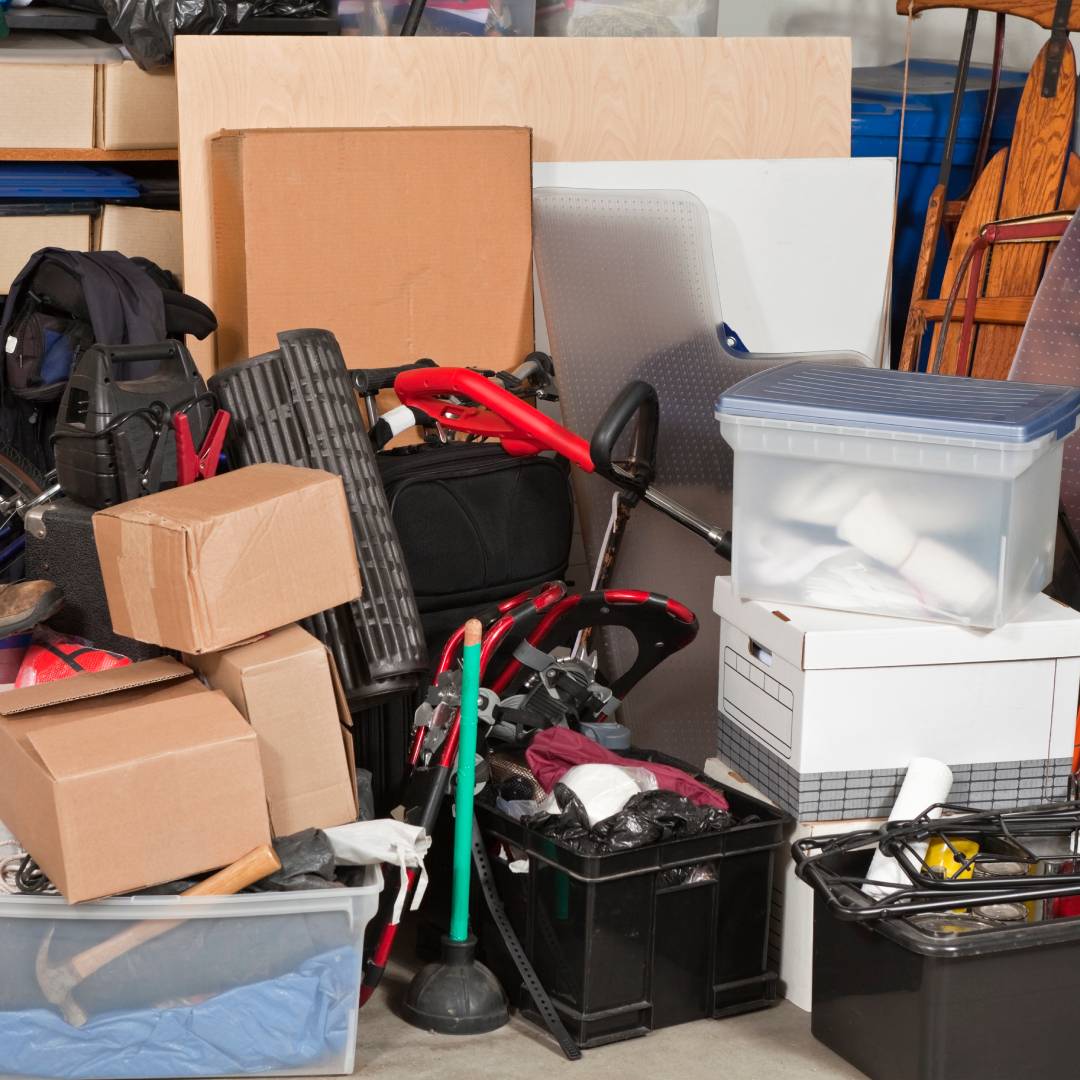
876	94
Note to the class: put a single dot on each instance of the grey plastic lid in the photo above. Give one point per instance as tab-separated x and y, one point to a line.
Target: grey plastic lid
905	401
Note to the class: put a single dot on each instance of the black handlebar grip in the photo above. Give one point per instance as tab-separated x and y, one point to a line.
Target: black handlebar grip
370	381
637	399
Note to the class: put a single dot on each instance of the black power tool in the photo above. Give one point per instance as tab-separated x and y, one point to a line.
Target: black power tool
114	438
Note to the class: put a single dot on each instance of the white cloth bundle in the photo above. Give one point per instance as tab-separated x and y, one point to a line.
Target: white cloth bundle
371	843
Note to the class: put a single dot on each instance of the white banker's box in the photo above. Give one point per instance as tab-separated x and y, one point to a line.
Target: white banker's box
822	710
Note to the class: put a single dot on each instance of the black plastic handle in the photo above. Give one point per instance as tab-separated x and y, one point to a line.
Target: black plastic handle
637	399
369	381
172	358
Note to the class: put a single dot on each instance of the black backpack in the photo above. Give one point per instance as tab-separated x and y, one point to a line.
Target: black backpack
61	303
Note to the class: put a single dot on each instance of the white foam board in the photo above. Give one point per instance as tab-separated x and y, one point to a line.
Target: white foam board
801	245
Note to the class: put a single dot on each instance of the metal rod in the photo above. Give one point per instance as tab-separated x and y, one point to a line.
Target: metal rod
962	67
990	112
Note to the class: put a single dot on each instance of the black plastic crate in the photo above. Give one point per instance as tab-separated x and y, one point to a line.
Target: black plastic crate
623	951
900	1004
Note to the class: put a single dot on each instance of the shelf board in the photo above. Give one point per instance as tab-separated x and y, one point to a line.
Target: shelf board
90	154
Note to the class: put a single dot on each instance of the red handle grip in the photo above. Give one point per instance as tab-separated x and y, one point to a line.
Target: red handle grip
489	411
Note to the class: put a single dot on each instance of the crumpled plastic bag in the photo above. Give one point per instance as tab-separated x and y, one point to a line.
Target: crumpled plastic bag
653	817
307	862
148	28
282	1025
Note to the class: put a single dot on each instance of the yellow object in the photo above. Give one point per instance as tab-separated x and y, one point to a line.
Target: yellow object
953	857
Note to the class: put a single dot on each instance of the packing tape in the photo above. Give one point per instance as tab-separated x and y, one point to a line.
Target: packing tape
138	572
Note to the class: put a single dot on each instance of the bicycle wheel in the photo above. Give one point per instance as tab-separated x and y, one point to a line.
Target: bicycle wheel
21	483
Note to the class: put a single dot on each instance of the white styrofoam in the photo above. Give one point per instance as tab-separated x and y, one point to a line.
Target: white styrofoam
801	245
797	912
794	898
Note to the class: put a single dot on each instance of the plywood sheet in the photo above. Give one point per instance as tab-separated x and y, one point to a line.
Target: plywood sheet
585	99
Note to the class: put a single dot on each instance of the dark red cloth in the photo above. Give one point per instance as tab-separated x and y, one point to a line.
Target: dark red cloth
555	750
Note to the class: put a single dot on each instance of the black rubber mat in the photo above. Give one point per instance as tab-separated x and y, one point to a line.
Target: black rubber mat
297	406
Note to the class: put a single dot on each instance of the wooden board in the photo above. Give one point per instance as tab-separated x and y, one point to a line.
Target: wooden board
1039	11
8	153
981	207
598	99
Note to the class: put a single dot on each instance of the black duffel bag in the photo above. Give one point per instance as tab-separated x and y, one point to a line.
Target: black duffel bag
476	526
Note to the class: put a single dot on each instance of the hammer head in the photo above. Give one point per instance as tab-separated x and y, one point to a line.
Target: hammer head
58	983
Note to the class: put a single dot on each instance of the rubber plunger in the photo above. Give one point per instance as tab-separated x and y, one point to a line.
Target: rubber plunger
458	995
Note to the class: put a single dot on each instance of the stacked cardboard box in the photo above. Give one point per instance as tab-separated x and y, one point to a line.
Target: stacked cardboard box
140	775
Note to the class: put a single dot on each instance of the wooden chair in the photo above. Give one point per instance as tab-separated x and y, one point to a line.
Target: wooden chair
1037	174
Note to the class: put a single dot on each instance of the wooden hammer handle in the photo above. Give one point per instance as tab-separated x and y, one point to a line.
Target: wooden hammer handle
254	866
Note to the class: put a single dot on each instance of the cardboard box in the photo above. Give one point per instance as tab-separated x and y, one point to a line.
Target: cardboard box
212	564
406	242
823	710
20	237
47	105
136	109
122	779
285	685
134	230
71	99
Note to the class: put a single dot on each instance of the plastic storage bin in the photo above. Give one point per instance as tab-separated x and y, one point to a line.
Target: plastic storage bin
895	493
264	983
902	1004
876	93
627	18
455	18
624	943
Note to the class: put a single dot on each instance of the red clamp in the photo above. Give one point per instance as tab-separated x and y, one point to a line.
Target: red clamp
192	465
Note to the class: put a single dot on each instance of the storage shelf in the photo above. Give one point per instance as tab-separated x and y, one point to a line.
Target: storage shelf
88	154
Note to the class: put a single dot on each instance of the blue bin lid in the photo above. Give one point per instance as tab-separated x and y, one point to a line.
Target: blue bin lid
905	401
876	94
64	181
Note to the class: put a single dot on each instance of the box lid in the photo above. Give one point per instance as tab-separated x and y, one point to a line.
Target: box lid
91	684
181	508
117	740
877	92
819	639
880	401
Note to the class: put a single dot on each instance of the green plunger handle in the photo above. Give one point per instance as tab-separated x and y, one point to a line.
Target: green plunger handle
466	781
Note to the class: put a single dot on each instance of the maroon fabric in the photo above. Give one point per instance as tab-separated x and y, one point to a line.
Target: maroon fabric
555	750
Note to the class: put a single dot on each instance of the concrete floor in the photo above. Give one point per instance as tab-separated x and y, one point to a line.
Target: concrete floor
774	1044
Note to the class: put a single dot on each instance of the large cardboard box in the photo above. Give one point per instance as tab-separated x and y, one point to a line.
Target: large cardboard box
286	686
406	242
68	100
136	109
137	231
122	779
47	105
20	237
212	564
822	710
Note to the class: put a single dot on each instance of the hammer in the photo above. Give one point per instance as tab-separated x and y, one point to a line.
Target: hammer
58	982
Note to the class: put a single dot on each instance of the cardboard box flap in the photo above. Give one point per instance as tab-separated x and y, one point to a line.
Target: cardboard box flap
230	494
823	639
91	684
117	740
